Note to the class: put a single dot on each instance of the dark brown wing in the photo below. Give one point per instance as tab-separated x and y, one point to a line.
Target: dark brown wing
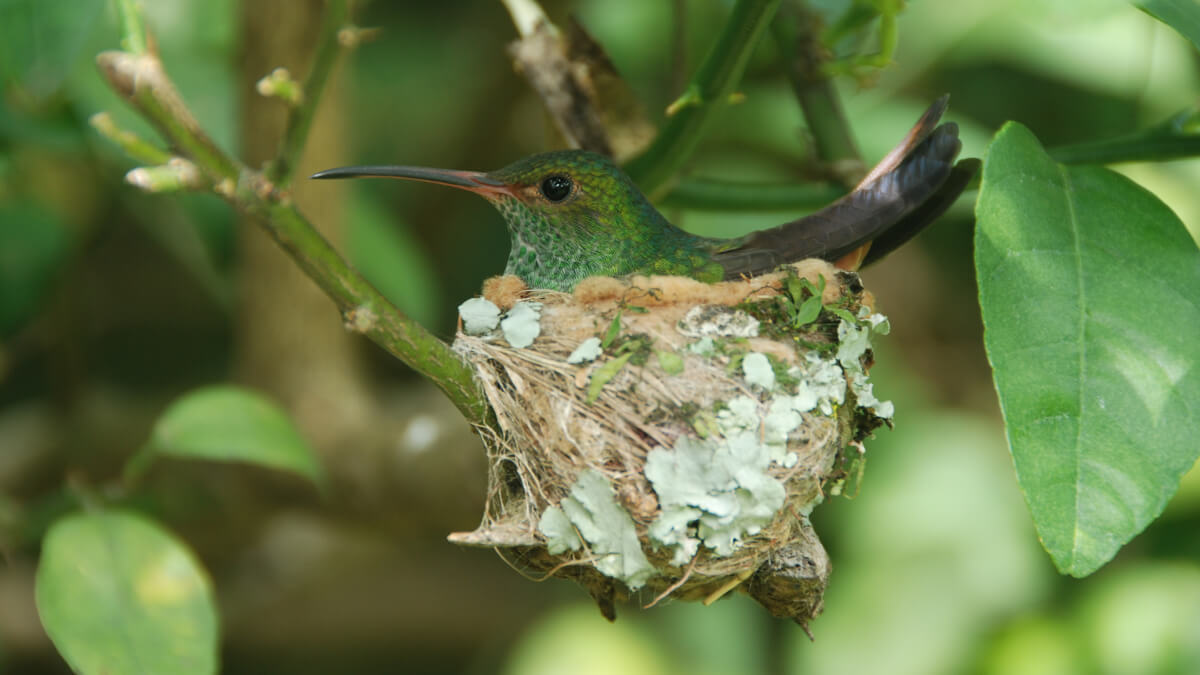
904	193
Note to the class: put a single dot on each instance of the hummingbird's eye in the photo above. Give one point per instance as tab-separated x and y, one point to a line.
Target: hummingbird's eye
557	187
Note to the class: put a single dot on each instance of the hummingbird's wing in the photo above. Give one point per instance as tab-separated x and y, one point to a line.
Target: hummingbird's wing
904	193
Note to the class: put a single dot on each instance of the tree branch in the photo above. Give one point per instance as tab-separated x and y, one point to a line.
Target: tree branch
140	78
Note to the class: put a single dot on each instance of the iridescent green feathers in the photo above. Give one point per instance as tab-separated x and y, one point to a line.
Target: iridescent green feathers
574	214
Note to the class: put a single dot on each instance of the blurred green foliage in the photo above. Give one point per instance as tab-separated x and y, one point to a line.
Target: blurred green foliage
937	568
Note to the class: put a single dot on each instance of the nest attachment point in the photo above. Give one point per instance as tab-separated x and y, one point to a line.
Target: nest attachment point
662	437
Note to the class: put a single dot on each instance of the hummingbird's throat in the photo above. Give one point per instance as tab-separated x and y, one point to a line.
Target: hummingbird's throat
544	254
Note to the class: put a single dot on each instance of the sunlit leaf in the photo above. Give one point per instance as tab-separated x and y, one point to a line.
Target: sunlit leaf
1088	289
119	594
232	424
1182	15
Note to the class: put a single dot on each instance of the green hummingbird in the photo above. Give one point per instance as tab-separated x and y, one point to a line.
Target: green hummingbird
573	214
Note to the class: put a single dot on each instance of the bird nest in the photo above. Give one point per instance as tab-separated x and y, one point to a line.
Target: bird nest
667	438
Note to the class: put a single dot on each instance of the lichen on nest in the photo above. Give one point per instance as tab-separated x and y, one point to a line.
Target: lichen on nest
666	437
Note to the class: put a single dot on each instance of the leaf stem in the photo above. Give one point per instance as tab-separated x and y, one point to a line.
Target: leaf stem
709	91
300	117
1175	138
133	35
135	146
797	32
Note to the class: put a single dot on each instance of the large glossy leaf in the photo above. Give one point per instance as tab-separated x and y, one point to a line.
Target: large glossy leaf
233	424
1182	15
118	594
1089	288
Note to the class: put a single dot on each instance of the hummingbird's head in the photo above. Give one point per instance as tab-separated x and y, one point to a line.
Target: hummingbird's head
569	212
573	191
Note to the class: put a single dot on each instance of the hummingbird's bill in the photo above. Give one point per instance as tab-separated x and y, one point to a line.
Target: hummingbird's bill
473	181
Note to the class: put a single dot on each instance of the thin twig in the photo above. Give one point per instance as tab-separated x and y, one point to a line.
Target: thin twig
797	32
300	118
133	37
709	91
687	574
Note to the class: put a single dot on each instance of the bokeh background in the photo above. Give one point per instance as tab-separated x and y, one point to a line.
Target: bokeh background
114	302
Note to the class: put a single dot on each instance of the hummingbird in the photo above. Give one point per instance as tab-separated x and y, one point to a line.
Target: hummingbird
572	214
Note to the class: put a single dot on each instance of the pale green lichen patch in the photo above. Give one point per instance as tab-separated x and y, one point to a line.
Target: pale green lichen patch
703	347
820	384
866	399
522	324
714	491
591	511
718	320
588	350
559	532
879	323
719	489
479	316
854	342
757	369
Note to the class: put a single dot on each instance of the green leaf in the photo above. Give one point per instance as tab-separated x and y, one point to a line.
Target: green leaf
842	314
119	594
808	311
670	362
231	424
1182	15
604	373
1088	289
614	329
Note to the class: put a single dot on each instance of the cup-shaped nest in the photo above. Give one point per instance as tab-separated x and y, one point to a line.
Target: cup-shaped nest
669	438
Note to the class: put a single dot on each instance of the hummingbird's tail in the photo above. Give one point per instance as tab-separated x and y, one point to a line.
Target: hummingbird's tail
902	195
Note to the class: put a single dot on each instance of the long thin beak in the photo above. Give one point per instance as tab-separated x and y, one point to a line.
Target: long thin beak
473	181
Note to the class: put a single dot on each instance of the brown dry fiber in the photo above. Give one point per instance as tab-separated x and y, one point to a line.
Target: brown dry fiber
550	434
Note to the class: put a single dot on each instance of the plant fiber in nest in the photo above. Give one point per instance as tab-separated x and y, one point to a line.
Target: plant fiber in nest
674	366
